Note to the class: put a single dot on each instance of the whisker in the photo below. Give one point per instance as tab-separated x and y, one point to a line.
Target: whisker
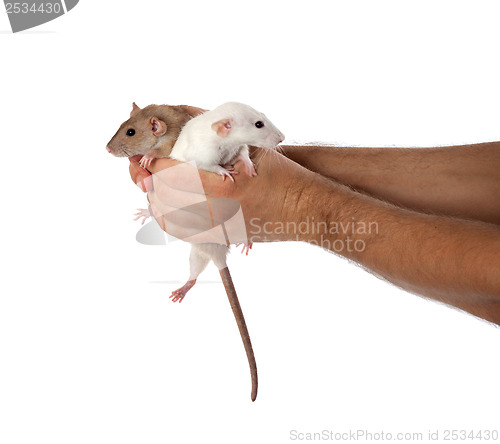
258	159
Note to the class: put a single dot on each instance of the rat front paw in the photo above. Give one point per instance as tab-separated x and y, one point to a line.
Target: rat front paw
145	162
226	172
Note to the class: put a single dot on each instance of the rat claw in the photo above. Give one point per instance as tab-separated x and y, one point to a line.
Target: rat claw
225	174
246	247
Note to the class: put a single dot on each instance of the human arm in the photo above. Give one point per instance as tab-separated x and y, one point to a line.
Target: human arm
451	260
460	181
448	259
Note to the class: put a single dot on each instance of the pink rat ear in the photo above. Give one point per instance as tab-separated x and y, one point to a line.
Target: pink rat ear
135	109
222	127
158	126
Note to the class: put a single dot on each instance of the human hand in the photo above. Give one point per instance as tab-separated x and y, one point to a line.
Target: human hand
198	206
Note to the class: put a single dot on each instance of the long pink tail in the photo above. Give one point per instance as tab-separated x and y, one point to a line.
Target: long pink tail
242	326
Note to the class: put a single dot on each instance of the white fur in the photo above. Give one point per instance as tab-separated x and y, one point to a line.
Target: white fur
198	142
202	254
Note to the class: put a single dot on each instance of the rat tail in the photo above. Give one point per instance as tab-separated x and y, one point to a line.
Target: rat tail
242	326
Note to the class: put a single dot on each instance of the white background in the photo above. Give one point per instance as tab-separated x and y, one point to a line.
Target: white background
91	348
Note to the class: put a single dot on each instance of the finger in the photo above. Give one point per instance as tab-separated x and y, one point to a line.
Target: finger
196	234
181	176
178	186
166	199
199	215
186	177
190	222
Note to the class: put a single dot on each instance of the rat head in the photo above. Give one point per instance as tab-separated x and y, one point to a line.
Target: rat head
244	125
138	134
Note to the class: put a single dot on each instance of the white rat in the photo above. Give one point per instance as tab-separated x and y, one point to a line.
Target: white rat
215	140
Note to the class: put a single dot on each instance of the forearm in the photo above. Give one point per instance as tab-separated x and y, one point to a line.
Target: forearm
451	260
461	181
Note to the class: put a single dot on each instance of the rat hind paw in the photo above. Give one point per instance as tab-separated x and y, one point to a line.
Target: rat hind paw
179	294
249	169
246	247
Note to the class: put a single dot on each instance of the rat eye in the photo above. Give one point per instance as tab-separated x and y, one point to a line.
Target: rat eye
130	132
259	124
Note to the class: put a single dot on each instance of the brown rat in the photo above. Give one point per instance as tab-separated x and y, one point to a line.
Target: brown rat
151	131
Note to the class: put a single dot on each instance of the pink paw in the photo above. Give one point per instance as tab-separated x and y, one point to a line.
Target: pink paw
145	162
246	247
177	296
142	213
249	169
180	293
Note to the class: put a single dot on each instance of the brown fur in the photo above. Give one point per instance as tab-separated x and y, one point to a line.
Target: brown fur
145	141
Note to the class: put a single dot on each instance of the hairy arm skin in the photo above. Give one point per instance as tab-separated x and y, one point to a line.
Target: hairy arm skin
460	181
451	260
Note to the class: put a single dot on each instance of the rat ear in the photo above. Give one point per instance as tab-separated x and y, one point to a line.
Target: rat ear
159	127
222	127
135	108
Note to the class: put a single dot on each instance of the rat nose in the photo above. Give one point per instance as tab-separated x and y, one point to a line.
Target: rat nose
108	148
